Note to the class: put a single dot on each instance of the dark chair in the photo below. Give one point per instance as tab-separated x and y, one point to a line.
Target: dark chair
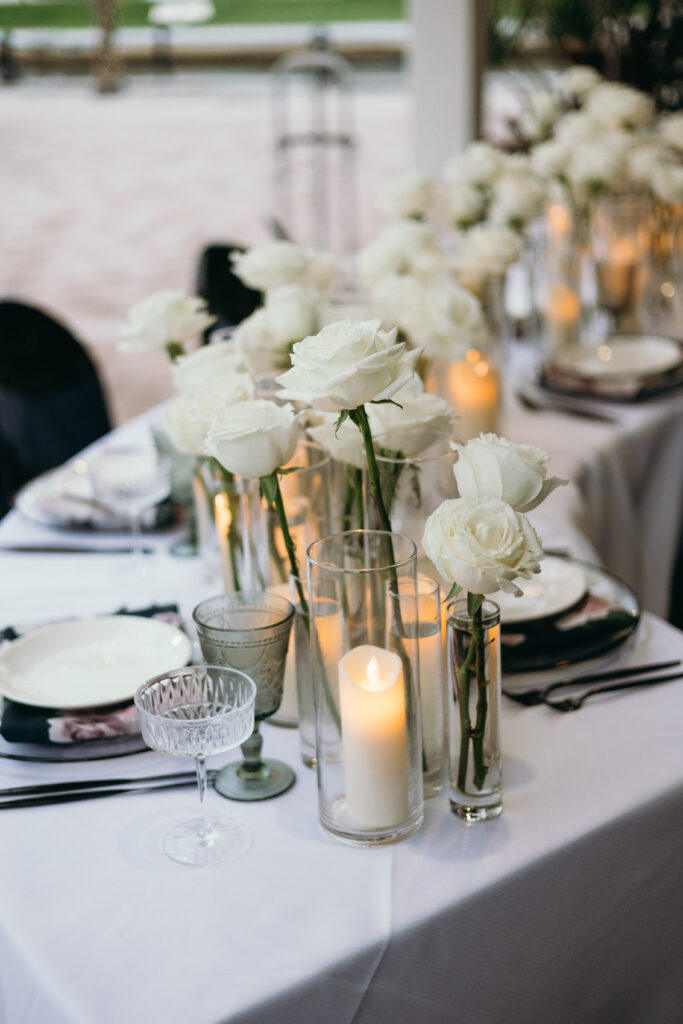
227	298
51	401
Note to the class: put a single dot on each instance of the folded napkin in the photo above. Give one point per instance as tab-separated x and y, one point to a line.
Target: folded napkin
20	723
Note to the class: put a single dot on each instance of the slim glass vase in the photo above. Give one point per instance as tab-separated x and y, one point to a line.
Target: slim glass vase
473	658
365	672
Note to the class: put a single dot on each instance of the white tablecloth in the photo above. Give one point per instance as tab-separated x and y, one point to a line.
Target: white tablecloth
567	907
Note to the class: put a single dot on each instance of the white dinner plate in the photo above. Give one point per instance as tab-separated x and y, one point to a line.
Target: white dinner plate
89	662
558	586
622	357
64	497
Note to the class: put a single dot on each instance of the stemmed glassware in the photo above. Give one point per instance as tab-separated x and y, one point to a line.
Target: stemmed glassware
128	481
249	630
195	712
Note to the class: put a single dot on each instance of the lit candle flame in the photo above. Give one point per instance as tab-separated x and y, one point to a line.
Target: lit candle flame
373	682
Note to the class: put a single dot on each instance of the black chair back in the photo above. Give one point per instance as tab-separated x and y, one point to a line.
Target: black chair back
228	299
51	400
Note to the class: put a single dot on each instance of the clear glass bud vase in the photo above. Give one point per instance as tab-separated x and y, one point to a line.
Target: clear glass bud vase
474	677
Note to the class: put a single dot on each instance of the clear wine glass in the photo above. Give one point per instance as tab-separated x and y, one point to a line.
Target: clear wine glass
128	481
249	630
195	712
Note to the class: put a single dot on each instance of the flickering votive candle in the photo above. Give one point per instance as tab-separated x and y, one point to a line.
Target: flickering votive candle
474	387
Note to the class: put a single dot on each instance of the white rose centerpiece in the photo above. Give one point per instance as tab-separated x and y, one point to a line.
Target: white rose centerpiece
493	467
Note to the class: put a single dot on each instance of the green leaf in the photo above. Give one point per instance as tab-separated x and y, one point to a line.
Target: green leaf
269	488
343	415
453	592
284	472
385	401
474	603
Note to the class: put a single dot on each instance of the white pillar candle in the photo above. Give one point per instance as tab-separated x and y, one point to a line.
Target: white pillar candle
474	387
431	670
374	736
288	712
562	317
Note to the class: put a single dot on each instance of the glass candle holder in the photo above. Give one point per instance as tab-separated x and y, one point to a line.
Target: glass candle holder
621	229
420	605
474	678
365	669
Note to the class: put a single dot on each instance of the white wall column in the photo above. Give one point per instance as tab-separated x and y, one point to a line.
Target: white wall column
447	58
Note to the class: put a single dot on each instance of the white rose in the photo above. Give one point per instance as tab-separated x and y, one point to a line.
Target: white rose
205	364
487	249
395	250
644	161
408	195
539	119
577	127
550	159
346	365
446	319
667	183
165	318
518	198
614	104
671	130
481	544
480	164
253	439
289	314
596	164
274	264
489	466
188	417
579	80
460	203
398	299
411	428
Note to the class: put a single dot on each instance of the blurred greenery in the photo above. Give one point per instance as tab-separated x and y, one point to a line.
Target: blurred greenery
133	13
635	41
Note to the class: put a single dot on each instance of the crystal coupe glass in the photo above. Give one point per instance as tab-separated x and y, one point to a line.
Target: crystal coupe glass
249	630
195	712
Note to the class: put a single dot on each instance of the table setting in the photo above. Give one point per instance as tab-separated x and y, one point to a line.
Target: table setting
370	617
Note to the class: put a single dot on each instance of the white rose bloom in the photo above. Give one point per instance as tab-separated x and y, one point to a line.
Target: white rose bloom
395	250
671	130
489	466
539	119
279	263
346	365
188	417
481	544
579	80
667	183
487	249
253	439
442	316
398	300
644	161
408	195
578	127
480	164
550	159
613	104
460	203
596	164
518	198
413	427
344	444
290	313
164	318
205	364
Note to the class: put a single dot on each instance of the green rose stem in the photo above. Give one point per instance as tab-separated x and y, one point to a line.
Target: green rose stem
360	417
474	660
270	488
175	350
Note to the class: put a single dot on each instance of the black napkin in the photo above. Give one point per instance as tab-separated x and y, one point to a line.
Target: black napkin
20	723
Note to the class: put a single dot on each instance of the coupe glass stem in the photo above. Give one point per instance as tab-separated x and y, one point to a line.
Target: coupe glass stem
204	828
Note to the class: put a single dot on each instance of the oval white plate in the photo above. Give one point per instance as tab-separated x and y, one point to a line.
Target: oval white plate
558	586
623	357
89	662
